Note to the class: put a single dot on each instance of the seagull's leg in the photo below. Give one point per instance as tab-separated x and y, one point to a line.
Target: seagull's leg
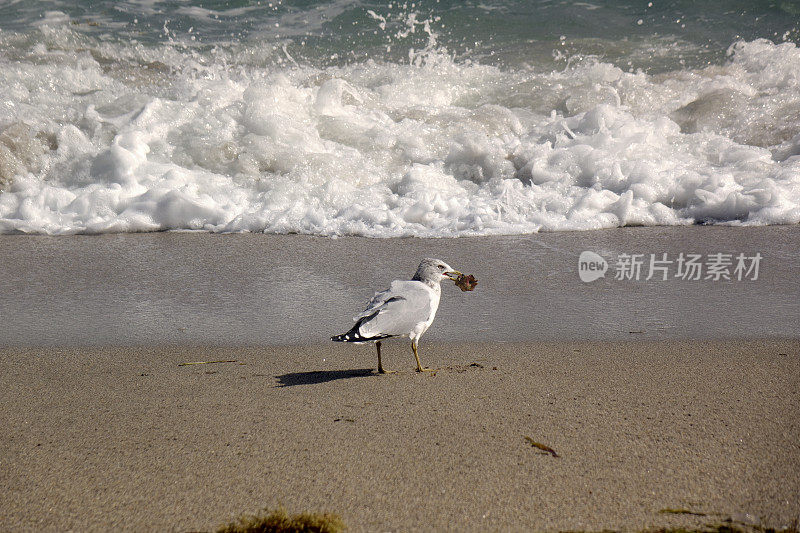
420	368
380	366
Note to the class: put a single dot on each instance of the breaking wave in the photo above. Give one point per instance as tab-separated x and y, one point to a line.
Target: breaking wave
100	136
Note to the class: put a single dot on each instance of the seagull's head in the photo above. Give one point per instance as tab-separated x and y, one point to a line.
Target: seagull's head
435	270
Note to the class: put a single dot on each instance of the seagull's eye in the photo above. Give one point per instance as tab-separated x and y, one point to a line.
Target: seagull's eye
441	267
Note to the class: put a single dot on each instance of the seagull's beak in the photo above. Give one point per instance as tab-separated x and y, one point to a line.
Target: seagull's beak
453	274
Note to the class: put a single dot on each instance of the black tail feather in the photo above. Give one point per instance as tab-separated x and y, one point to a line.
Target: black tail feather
354	336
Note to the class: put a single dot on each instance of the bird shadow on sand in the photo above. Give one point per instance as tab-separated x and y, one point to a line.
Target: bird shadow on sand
321	376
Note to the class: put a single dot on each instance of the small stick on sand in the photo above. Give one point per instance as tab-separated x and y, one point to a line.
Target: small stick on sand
681	511
207	362
541	446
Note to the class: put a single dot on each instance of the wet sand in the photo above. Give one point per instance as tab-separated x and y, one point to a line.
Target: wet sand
245	289
125	439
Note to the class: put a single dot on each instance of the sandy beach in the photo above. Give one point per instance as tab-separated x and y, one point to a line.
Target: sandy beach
656	396
125	439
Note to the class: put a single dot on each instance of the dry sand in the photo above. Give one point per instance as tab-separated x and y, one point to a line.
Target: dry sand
117	439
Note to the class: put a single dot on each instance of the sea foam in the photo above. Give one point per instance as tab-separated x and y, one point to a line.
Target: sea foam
101	137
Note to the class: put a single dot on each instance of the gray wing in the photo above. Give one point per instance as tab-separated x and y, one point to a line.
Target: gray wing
378	300
397	310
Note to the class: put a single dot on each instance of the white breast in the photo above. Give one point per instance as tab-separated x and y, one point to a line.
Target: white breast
422	327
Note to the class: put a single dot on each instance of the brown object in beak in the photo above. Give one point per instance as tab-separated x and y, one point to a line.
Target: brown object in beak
466	283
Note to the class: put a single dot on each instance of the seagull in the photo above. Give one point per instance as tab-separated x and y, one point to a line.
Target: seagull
406	308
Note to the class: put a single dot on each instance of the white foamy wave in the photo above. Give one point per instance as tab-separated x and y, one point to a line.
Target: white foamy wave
96	137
